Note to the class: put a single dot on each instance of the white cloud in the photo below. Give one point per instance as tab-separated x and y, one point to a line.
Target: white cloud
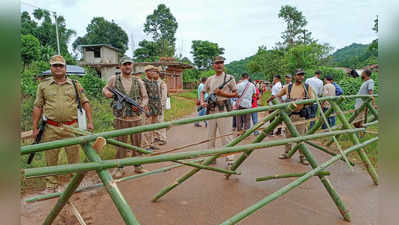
238	26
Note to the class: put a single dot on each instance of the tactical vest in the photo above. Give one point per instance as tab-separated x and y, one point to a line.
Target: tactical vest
154	98
134	94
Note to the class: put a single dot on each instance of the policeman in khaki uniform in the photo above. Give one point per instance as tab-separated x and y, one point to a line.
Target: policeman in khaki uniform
160	135
224	104
56	100
154	106
297	91
128	116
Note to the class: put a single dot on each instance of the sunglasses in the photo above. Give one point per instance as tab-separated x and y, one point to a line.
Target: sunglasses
57	65
219	62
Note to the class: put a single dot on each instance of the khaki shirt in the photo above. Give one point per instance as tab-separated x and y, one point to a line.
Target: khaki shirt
58	101
127	84
297	93
214	82
163	91
328	90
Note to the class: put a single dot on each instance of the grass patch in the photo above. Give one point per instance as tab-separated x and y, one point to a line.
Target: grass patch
180	107
191	94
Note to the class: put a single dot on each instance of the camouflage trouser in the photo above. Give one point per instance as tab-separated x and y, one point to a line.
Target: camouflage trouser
301	129
148	137
53	133
135	139
161	133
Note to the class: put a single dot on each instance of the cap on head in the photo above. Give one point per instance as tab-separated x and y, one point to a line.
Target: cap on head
318	72
156	69
125	59
57	59
329	77
218	59
299	72
277	76
148	67
288	76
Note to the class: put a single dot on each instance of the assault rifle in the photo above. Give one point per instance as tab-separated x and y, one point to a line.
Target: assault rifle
212	98
38	138
119	97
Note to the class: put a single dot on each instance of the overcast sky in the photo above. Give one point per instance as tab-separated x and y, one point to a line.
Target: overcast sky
238	26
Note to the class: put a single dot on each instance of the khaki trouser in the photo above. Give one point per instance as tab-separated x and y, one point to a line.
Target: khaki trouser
161	134
224	127
53	133
135	139
148	137
300	127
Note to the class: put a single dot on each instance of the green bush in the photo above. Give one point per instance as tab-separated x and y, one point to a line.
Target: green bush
92	84
336	73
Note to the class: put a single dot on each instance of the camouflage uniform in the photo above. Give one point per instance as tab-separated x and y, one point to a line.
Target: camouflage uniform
127	117
155	109
58	102
163	90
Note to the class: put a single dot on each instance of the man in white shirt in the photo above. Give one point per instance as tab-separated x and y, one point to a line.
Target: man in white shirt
317	86
277	87
246	90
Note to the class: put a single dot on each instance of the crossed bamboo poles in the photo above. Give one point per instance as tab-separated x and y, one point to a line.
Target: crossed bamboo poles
280	115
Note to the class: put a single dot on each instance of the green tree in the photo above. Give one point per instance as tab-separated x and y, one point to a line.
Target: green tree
305	56
30	49
295	32
267	62
162	26
147	52
101	31
203	52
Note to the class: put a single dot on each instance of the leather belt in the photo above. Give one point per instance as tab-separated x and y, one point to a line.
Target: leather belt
59	124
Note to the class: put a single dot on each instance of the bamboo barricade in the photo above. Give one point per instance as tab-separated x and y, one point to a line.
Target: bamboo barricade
280	115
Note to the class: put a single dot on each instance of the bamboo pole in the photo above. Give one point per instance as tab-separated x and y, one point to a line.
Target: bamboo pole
329	129
313	163
250	210
209	160
324	149
112	189
109	140
258	139
70	189
83	189
351	119
321	173
144	128
106	164
372	110
370	123
355	140
200	166
315	127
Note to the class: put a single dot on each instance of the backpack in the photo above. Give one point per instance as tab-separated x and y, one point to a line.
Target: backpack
306	92
338	89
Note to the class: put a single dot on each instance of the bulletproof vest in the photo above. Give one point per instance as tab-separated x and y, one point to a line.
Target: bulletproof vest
134	94
154	98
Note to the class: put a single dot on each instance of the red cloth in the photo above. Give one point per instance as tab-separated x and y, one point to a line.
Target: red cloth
255	98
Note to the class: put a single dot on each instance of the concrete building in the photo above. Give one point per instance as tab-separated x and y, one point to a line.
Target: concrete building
103	58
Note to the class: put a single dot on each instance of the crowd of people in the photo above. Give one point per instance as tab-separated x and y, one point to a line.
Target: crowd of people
246	94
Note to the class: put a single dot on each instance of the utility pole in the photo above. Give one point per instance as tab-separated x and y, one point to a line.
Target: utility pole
56	31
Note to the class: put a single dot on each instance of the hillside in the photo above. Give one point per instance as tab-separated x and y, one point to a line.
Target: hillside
346	56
